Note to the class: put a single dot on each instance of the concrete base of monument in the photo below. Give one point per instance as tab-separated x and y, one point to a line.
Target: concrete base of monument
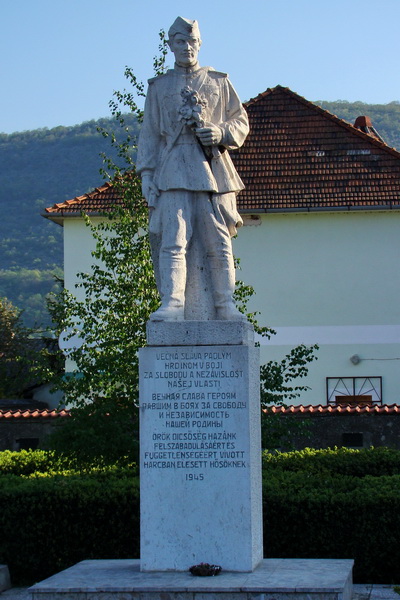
200	447
5	582
199	333
274	579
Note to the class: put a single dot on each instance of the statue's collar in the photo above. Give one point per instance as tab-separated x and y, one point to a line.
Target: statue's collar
187	70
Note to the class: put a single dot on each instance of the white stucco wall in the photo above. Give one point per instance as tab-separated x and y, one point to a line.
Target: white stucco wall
326	278
78	246
331	279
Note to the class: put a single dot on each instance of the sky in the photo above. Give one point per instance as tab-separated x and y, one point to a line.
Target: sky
61	60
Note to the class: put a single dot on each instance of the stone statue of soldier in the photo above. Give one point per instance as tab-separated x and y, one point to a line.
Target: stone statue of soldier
192	117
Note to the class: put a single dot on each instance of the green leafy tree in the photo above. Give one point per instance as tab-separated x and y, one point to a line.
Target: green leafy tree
118	296
10	348
279	381
109	323
279	386
23	353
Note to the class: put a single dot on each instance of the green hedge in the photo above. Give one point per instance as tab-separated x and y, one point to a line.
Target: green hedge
317	504
50	463
335	504
48	524
343	461
52	516
26	462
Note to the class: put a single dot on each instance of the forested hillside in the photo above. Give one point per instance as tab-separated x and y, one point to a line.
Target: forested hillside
39	168
385	117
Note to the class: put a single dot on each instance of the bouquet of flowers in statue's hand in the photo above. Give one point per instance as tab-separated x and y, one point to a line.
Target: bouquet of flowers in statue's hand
191	115
192	107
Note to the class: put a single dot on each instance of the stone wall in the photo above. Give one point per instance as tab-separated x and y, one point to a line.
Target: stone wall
351	430
24	432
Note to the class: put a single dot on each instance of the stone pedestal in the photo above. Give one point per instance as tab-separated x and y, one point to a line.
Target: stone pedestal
200	483
201	498
274	579
5	581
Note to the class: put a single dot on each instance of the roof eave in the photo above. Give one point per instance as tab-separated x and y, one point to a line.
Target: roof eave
308	209
59	217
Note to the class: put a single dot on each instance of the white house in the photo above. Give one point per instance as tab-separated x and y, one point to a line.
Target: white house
320	244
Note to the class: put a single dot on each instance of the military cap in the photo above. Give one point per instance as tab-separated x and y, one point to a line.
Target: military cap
184	27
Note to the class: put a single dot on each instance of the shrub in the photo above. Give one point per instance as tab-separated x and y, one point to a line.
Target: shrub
344	461
49	523
26	462
29	462
317	504
335	504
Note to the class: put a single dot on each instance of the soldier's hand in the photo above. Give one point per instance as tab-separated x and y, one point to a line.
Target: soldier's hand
149	189
210	135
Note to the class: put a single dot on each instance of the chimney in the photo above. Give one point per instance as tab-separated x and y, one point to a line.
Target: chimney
364	124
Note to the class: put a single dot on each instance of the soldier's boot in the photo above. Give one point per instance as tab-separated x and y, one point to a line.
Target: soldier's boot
223	282
173	284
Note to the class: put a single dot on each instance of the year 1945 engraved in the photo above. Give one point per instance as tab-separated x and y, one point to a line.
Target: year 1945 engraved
194	476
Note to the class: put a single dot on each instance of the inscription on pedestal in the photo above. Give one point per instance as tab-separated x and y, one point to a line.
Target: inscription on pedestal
196	412
200	457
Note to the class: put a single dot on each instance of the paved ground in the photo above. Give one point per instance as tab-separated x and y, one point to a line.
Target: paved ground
373	592
360	592
15	594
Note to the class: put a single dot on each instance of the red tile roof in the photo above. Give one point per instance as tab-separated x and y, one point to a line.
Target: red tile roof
297	157
319	410
101	199
33	414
